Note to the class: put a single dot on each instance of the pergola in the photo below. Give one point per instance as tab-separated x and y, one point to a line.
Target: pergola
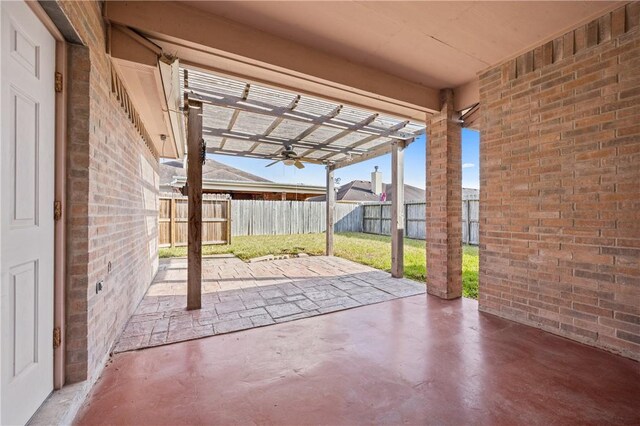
238	118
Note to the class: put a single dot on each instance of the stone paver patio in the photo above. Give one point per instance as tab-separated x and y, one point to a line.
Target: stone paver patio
238	296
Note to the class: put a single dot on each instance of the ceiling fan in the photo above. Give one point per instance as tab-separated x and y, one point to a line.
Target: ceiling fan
289	158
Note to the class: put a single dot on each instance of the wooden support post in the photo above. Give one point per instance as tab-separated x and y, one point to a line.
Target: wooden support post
194	185
397	210
331	201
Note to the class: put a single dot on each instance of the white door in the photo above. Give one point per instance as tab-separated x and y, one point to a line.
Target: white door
26	226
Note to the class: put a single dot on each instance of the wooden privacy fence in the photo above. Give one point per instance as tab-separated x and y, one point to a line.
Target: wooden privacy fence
173	220
259	217
377	220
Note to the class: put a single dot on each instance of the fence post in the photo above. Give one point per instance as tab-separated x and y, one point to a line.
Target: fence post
228	221
172	222
406	219
468	221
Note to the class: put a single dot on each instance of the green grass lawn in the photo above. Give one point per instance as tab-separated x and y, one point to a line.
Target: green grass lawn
371	250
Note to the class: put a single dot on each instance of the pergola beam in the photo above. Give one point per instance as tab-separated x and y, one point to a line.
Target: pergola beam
387	134
251	154
232	122
262	139
385	149
194	190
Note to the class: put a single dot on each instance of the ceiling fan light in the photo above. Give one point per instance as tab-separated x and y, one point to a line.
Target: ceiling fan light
289	162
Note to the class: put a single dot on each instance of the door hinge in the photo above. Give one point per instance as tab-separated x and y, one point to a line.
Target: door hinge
57	338
58	82
57	210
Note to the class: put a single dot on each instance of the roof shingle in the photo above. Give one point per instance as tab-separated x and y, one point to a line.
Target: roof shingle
212	169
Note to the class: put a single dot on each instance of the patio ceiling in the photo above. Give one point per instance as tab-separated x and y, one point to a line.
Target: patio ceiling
393	57
438	44
243	119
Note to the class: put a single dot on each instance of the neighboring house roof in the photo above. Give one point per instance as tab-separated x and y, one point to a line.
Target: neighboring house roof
212	170
246	186
360	190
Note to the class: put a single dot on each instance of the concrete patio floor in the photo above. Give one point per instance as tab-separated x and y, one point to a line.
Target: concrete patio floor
415	360
239	295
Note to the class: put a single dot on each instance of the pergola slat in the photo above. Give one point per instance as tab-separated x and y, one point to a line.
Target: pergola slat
213	132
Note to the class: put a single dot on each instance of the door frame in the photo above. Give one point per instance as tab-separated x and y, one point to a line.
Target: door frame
59	237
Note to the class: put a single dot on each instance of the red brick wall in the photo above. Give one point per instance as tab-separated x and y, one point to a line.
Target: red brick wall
112	194
560	185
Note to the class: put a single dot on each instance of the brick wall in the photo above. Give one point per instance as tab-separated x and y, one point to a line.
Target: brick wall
443	208
560	179
112	211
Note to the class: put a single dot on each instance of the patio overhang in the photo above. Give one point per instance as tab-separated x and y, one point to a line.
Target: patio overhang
343	64
363	54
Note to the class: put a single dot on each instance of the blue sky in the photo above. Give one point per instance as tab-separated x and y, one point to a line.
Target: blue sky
414	166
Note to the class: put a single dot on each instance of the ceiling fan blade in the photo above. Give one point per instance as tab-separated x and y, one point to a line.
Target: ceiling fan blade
271	164
299	164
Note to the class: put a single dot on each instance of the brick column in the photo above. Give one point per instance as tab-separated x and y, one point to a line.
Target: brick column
444	201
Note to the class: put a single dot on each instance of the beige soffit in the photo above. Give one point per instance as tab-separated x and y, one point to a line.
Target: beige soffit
257	121
136	62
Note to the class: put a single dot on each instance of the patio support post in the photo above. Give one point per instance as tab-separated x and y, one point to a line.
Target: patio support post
397	209
194	189
444	201
331	201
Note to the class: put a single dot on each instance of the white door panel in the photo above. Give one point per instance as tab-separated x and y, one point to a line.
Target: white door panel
26	215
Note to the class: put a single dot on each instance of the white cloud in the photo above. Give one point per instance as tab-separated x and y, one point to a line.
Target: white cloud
468	165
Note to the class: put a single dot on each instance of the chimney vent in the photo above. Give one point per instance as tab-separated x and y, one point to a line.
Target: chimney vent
376	181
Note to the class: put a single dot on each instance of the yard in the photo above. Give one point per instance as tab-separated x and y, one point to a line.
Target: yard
368	249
